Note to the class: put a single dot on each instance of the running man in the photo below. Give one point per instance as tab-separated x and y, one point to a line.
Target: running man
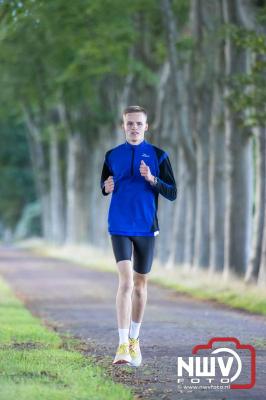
135	172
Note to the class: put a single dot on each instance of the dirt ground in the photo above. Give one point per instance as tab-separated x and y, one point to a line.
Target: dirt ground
76	300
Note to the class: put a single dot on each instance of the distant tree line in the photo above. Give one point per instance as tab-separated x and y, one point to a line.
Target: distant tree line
69	68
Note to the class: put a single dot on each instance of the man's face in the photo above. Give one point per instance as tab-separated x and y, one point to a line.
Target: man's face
135	125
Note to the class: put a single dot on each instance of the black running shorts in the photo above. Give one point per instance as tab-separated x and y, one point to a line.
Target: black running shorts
143	249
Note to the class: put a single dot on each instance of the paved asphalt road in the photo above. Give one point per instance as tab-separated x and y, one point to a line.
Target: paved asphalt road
81	301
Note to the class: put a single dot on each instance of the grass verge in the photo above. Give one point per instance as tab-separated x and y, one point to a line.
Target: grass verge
37	364
235	294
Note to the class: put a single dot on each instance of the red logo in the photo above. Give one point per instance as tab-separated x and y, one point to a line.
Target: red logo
232	364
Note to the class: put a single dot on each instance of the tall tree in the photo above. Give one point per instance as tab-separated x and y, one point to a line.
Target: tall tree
238	158
180	77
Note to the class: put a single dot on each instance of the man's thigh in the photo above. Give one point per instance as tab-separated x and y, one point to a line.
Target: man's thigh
143	253
122	247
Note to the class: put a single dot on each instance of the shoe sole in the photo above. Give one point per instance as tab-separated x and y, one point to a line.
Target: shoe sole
121	362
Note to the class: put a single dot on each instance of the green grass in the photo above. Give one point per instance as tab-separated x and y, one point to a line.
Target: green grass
233	294
36	364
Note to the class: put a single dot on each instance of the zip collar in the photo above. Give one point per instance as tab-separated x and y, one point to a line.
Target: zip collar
136	146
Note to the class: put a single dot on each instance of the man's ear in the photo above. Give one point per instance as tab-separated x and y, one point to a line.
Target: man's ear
146	127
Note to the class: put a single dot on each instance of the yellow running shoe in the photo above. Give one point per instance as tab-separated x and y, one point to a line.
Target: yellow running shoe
122	354
135	352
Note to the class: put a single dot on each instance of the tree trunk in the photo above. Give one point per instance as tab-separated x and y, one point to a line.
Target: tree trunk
97	204
205	23
176	250
255	260
216	167
123	103
190	224
56	190
248	12
262	270
165	136
40	171
179	83
238	158
217	187
182	87
75	219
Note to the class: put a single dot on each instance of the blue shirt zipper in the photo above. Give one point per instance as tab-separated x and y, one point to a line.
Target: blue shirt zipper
132	161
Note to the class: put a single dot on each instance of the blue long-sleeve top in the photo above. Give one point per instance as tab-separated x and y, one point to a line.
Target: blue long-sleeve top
134	202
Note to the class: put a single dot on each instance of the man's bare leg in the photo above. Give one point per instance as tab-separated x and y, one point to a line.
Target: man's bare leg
124	292
139	300
123	310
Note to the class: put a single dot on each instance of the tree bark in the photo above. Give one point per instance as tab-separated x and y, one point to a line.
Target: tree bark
75	218
56	190
97	205
238	158
262	266
255	259
181	81
256	267
40	170
205	22
217	184
216	167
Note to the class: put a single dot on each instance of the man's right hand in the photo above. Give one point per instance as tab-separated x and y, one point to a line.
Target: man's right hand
109	184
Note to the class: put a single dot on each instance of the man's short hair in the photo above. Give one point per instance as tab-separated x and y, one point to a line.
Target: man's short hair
133	109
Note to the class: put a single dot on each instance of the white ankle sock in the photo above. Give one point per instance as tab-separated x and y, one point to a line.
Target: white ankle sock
123	335
134	329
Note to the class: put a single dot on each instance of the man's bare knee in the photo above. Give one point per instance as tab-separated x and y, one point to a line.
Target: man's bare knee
125	276
140	280
140	284
126	287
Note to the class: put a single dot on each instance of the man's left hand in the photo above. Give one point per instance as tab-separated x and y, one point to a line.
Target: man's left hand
146	172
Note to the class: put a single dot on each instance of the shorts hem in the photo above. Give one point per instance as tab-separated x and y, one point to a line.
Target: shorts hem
123	233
